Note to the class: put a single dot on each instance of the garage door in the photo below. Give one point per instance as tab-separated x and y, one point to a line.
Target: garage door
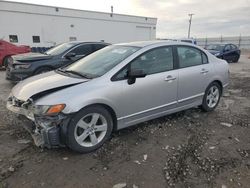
143	33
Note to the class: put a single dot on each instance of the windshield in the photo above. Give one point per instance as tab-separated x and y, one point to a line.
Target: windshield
217	47
102	61
59	49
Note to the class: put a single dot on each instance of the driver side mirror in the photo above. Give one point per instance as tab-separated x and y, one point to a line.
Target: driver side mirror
133	74
70	55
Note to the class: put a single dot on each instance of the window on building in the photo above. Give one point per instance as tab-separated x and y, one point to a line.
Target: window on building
13	38
36	39
72	38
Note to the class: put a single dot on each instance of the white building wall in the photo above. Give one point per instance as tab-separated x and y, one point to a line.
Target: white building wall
53	27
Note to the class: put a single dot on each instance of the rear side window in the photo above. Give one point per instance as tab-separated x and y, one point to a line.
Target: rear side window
204	58
82	50
233	47
189	56
99	46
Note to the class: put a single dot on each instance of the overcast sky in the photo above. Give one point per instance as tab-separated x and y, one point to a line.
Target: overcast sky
212	18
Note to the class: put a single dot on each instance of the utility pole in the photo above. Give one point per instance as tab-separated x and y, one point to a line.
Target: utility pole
190	22
112	11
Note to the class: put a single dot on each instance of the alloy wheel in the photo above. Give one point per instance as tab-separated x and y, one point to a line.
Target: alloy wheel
91	129
213	96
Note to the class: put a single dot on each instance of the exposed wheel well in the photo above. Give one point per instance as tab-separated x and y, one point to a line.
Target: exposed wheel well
220	83
110	110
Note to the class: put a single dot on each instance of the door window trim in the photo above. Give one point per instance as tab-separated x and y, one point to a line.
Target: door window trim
177	56
113	78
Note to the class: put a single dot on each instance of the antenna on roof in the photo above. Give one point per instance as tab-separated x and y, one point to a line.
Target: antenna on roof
112	10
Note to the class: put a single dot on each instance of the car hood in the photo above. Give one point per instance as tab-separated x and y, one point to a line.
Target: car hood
31	57
43	83
214	51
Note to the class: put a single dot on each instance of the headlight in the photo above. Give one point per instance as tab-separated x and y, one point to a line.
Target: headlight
22	66
47	109
217	54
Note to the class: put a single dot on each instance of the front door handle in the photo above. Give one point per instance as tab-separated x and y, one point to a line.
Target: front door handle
204	71
170	78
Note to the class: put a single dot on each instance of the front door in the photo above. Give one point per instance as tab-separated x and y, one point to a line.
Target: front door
151	96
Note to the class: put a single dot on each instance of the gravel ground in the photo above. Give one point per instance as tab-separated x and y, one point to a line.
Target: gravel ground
186	149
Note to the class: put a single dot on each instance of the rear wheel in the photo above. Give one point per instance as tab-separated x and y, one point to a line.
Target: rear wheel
236	59
89	129
42	70
212	97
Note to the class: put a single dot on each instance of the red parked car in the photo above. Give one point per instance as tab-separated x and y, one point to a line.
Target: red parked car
8	49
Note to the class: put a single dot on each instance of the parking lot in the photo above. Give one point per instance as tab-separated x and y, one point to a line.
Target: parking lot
186	149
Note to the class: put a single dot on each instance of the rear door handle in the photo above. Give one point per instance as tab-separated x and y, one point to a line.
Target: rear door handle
204	71
170	78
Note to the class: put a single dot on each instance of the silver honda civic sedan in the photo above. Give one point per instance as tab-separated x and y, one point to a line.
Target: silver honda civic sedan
79	106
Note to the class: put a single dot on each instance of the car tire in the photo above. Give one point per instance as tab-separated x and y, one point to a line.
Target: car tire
86	131
236	59
42	70
211	97
6	61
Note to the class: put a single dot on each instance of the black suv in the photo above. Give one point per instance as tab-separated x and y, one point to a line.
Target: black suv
29	64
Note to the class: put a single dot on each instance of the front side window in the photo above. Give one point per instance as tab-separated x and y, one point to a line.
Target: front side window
82	50
102	61
151	62
13	38
204	58
188	56
59	49
154	61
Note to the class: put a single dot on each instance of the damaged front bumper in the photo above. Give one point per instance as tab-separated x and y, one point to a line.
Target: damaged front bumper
49	131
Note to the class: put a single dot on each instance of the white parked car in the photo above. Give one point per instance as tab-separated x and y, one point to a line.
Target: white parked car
121	85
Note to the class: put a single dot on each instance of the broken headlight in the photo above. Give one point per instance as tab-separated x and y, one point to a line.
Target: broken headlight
47	109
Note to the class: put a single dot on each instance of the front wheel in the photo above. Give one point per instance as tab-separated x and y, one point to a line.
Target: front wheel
212	97
89	129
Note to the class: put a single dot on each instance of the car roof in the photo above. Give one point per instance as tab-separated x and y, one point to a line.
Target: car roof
83	42
153	42
219	43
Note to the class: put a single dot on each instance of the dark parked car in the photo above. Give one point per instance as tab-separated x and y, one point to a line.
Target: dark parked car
26	65
228	52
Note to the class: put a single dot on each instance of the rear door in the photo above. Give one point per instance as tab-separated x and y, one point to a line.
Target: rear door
194	74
